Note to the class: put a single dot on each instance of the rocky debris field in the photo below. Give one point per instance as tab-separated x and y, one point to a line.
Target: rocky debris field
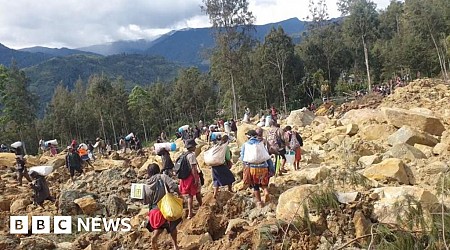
376	174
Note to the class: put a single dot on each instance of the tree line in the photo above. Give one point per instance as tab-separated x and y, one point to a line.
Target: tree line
364	48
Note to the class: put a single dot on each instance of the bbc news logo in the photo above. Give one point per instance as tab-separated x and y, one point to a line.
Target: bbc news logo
63	225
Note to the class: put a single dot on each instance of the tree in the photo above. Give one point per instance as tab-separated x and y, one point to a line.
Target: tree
138	103
18	104
361	25
431	20
278	52
231	20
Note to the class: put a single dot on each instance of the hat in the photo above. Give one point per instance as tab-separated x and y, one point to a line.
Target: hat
190	143
69	147
251	133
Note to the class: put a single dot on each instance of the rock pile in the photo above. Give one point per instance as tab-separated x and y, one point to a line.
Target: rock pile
357	171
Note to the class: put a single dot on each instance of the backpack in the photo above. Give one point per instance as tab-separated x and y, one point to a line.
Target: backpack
182	166
294	142
274	141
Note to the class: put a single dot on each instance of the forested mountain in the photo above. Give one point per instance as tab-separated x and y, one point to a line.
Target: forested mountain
56	52
119	47
21	58
134	69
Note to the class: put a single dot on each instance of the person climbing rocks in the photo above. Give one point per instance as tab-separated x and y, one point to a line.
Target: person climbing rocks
73	162
154	191
41	190
21	171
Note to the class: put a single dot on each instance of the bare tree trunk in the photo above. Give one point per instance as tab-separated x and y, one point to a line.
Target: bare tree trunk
114	128
441	63
366	57
329	71
145	130
23	143
103	125
284	93
234	97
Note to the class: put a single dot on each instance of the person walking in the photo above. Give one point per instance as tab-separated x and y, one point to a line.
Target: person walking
21	171
222	175
294	142
84	155
277	146
191	186
234	128
40	188
167	163
73	162
256	169
154	191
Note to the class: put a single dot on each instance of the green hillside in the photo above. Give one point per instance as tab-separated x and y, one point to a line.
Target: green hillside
134	69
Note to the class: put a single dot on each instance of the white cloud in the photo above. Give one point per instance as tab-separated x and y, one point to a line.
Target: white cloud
77	23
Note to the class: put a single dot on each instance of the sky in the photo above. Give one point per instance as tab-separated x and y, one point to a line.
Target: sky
79	23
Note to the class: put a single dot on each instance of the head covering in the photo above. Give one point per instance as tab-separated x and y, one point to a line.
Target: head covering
69	147
251	133
190	143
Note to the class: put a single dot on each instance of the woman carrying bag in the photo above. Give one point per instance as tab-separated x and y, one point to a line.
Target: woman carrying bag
159	186
220	159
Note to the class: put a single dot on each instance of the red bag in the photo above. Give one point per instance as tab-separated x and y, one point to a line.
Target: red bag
156	218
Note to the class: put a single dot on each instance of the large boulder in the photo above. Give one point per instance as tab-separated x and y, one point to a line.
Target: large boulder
66	202
87	204
369	160
137	162
376	131
427	123
388	170
441	149
411	136
405	152
436	167
19	205
361	116
300	118
386	209
115	205
56	162
290	203
191	242
315	175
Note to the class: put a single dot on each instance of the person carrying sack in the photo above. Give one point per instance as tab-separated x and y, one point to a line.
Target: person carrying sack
154	191
221	173
277	146
256	166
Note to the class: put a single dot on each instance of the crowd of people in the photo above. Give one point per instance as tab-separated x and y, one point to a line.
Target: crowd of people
263	157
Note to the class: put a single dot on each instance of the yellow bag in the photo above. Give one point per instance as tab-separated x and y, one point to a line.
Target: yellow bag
171	206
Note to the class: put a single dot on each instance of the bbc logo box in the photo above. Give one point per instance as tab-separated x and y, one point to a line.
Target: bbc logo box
40	224
63	224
